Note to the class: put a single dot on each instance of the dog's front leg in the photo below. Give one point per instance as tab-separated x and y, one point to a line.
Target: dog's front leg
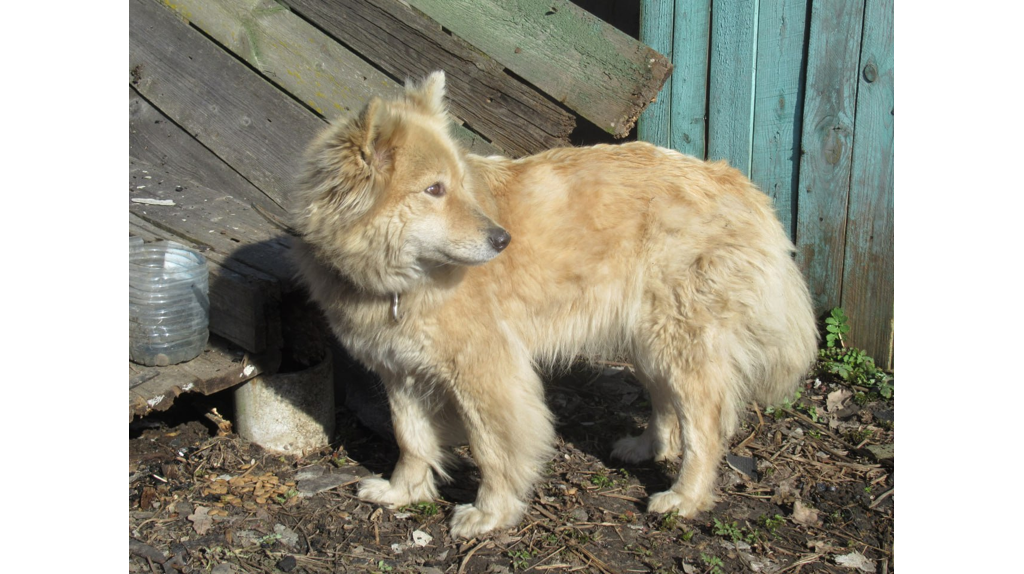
510	435
420	455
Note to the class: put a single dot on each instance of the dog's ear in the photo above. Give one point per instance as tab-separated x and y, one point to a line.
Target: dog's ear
429	95
375	145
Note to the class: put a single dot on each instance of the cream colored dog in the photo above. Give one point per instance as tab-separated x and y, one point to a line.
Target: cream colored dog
455	276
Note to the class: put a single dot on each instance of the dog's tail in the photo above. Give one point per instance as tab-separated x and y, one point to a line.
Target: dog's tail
790	338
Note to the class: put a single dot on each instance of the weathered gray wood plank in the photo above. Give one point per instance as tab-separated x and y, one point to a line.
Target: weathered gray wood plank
833	54
775	154
730	92
301	59
217	368
155	139
231	228
868	270
238	115
594	69
406	44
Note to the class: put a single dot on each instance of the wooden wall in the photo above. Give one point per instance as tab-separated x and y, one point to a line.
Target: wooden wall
797	94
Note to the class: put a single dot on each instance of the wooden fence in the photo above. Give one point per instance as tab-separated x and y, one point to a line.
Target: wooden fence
797	94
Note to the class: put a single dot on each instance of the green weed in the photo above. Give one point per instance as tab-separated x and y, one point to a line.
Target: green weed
848	364
714	563
521	558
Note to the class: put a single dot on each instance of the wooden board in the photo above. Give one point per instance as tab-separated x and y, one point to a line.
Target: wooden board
868	270
580	61
778	104
243	119
730	89
219	367
155	139
300	58
657	22
689	77
833	53
228	228
406	44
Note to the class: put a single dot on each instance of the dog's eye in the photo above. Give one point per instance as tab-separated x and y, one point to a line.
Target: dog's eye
437	190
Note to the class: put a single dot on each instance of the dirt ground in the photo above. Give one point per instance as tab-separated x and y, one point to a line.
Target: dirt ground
807	488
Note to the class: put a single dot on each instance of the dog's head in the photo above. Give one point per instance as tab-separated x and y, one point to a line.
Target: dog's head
387	198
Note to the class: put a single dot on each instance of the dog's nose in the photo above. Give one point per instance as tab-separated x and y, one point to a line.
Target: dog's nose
499	238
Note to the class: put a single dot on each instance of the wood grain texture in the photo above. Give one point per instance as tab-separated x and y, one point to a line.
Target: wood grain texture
868	271
155	139
833	54
580	61
730	92
406	44
238	115
657	24
217	368
299	58
775	158
689	77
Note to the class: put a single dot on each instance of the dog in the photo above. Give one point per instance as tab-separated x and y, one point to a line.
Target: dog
455	277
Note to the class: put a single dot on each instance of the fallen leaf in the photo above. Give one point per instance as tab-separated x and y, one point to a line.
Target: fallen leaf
836	399
288	537
201	520
420	538
786	492
806	515
856	560
147	498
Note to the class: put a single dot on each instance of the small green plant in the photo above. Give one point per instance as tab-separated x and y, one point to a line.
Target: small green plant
848	364
602	480
771	523
733	532
521	558
423	509
669	521
728	530
383	566
714	563
687	535
835	328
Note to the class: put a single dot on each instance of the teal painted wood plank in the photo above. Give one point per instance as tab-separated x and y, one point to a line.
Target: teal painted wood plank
588	65
656	27
690	76
868	271
775	155
833	54
730	93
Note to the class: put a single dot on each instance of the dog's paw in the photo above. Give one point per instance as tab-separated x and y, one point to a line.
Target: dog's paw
633	449
383	492
469	521
684	506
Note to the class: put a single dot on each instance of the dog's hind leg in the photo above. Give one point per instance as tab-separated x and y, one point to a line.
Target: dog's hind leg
421	453
661	439
706	410
510	435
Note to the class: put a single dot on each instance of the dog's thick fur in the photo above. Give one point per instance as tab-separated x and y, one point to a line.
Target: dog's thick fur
629	250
